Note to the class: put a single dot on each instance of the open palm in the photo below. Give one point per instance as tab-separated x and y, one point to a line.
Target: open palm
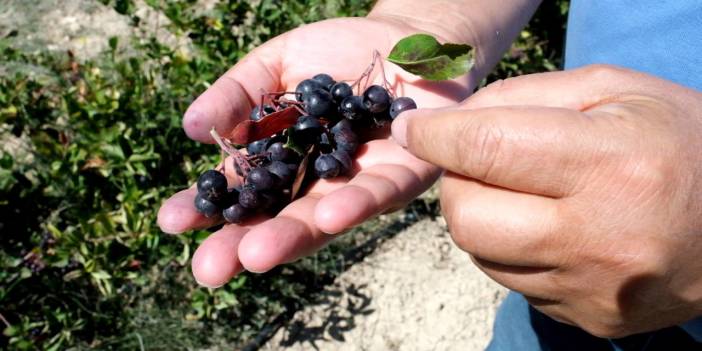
385	176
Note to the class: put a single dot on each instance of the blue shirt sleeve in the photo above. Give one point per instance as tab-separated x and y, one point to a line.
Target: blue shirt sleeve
659	37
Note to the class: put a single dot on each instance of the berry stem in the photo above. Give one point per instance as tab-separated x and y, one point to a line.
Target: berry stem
386	83
260	109
300	109
289	102
239	159
223	159
367	73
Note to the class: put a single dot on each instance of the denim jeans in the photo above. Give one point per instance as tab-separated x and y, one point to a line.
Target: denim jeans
519	326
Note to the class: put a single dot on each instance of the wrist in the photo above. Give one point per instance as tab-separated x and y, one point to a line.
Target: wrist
488	26
442	19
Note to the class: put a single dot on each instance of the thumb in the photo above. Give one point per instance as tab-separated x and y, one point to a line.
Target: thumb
525	133
539	150
230	99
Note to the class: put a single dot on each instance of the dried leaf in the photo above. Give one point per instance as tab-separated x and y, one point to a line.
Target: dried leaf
94	162
300	176
249	131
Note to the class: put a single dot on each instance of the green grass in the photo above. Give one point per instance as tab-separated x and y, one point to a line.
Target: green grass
96	147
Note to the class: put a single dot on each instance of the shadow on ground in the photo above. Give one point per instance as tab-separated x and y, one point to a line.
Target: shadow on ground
339	319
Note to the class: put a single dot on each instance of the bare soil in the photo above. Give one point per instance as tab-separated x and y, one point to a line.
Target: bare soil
418	291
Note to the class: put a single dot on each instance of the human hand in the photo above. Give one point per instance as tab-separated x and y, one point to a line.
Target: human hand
385	176
580	189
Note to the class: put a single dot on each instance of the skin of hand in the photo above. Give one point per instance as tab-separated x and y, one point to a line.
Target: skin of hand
385	176
580	189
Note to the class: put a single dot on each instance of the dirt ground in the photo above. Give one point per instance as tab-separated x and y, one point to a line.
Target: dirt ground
416	292
81	26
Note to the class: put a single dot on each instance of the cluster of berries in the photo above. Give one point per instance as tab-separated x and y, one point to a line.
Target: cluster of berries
321	140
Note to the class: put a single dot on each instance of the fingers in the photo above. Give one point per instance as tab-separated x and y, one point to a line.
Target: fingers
285	238
230	99
384	183
530	149
534	282
503	226
578	89
512	237
216	261
551	89
178	214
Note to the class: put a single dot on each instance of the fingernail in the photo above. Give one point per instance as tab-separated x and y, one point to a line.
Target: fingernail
399	130
208	285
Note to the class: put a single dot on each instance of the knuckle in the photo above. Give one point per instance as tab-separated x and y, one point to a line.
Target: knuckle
609	321
481	150
606	330
493	94
455	214
655	171
648	175
601	71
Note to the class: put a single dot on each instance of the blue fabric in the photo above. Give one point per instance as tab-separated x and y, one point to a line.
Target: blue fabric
519	326
659	37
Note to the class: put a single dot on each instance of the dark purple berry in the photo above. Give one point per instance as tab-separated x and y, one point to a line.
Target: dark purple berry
307	129
235	213
250	198
206	207
258	146
261	179
282	171
325	80
305	123
212	185
341	91
400	105
352	107
305	87
268	200
344	159
319	103
376	99
256	113
326	166
346	140
278	152
228	199
324	142
343	124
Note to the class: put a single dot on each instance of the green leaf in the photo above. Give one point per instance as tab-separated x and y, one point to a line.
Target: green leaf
423	55
290	142
113	41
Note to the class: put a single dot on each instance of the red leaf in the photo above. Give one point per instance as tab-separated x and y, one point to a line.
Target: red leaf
249	131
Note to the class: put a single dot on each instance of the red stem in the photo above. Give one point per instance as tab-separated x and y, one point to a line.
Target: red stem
367	73
233	152
300	109
386	84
